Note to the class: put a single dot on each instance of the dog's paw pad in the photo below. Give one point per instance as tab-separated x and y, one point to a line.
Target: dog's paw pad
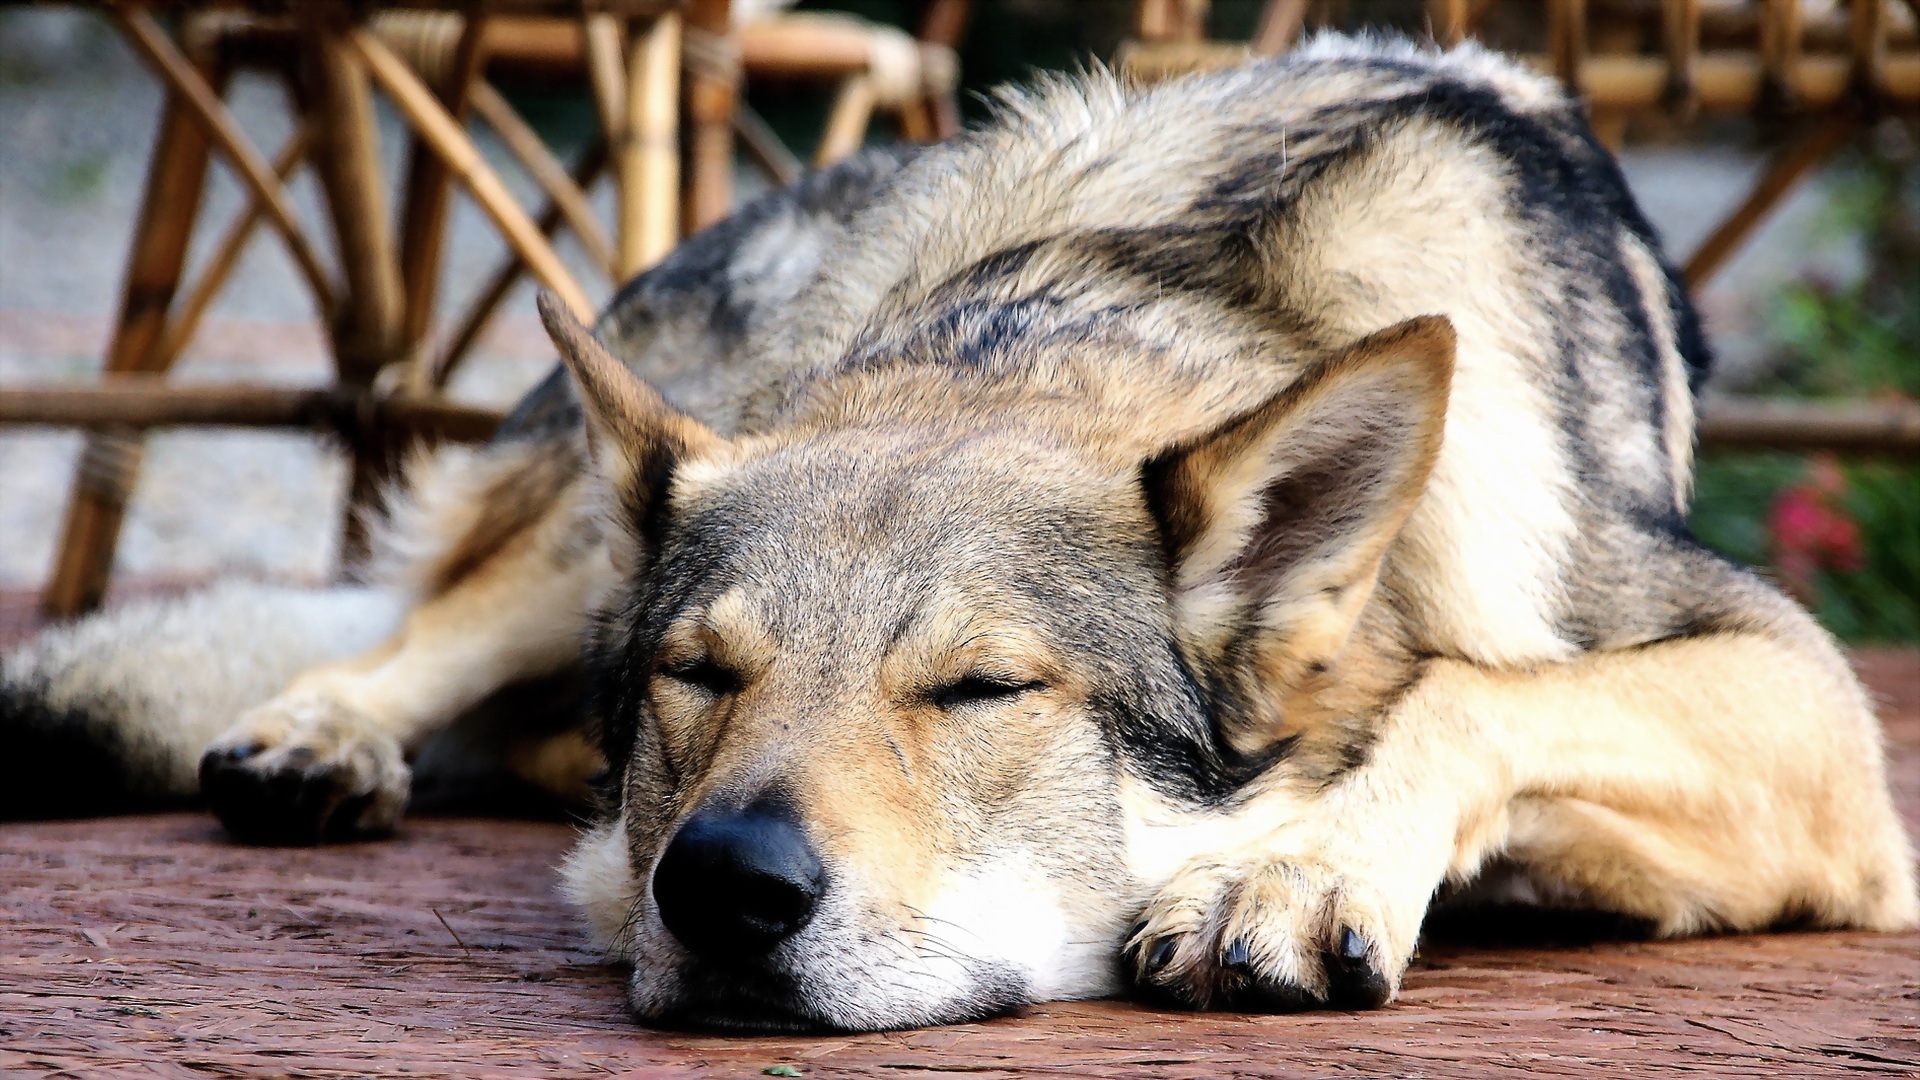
1275	936
305	778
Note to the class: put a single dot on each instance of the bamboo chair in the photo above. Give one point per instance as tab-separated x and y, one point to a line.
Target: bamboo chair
433	61
1819	68
665	77
872	68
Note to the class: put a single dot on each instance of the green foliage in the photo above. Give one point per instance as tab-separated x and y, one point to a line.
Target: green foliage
1882	601
1853	342
1878	602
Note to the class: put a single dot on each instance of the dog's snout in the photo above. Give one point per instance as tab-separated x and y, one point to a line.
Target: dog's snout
732	885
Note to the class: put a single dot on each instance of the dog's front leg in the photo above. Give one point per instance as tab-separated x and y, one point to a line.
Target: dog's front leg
1726	782
1307	895
327	757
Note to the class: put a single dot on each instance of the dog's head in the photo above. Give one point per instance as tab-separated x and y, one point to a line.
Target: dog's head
885	699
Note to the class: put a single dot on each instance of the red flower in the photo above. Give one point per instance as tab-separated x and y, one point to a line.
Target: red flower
1811	529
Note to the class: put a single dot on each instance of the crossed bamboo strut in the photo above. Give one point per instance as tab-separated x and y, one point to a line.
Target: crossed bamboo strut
1868	428
377	306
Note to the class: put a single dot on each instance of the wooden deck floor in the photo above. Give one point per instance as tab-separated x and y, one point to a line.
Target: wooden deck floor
150	946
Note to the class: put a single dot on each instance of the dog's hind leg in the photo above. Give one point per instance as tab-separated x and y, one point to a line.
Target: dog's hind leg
1727	782
515	568
1730	780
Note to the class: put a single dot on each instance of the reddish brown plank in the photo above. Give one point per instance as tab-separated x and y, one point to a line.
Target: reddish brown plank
149	946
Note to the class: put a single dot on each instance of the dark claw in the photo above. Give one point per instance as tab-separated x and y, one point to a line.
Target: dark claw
1352	981
1237	953
1161	954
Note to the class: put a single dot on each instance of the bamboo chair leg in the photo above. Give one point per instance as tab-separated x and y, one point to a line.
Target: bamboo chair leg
1785	171
1610	127
937	116
429	191
369	335
348	157
711	60
1448	21
110	459
1780	50
205	106
1280	26
226	255
1567	42
648	157
601	49
1172	20
1681	37
847	122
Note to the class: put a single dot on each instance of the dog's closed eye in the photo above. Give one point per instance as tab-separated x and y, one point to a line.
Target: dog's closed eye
981	690
705	676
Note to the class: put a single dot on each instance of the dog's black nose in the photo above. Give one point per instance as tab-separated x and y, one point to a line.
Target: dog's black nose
734	884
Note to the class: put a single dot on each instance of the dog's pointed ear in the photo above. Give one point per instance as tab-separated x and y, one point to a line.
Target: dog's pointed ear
636	437
1276	523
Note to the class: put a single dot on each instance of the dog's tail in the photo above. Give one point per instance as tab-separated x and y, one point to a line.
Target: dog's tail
111	713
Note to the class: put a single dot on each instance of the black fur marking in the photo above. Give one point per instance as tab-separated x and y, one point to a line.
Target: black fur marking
66	762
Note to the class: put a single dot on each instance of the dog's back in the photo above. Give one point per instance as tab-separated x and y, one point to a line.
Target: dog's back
1172	256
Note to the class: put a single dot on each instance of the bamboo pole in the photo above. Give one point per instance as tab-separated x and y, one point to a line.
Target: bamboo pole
224	133
1787	168
847	121
531	151
226	255
1728	82
429	188
648	157
1280	25
149	401
445	135
710	63
1863	427
110	460
468	327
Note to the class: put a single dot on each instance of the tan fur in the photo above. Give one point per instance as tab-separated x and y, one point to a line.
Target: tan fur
1678	783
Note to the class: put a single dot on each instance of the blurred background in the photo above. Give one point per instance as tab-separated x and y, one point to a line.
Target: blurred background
1821	302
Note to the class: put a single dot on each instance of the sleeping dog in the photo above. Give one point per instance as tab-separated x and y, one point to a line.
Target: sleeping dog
1163	539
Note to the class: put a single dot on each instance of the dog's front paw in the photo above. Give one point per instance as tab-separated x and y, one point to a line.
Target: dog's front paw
1271	934
302	769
